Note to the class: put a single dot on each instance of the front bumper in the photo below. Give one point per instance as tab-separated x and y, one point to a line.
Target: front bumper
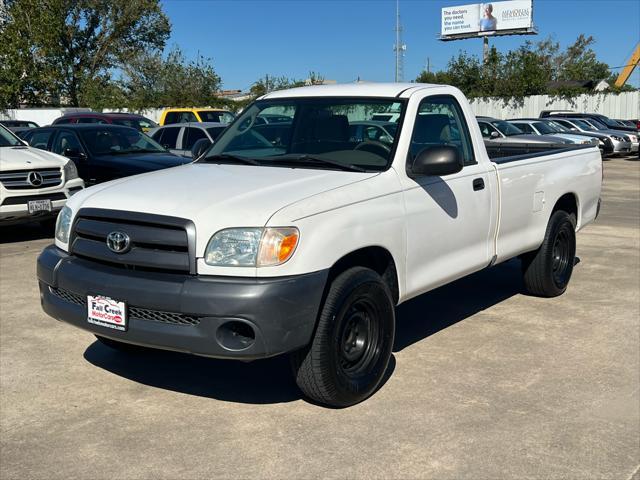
280	311
621	148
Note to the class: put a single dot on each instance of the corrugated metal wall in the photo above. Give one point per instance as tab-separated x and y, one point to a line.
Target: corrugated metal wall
624	105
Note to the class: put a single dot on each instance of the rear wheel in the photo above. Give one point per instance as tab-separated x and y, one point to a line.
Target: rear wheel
350	351
547	271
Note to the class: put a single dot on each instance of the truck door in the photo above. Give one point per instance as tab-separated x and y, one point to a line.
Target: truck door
449	218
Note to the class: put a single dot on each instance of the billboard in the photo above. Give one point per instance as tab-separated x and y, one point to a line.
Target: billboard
493	18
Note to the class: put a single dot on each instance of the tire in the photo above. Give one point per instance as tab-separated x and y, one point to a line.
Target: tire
547	271
351	348
121	346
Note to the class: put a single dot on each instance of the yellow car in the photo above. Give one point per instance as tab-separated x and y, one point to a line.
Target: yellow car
185	115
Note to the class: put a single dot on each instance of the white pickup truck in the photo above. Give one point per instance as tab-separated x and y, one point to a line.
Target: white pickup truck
34	184
295	237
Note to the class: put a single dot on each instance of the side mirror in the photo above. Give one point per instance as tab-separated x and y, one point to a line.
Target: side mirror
494	135
73	153
437	161
200	147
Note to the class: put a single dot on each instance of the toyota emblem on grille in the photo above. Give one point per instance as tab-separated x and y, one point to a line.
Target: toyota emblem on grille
118	242
35	179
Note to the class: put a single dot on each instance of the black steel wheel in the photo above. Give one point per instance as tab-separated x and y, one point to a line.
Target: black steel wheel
547	271
350	351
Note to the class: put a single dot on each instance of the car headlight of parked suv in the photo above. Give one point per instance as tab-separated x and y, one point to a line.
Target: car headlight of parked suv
70	170
63	224
617	138
251	247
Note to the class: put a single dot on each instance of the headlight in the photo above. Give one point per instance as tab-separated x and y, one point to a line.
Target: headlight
63	225
70	170
617	138
251	247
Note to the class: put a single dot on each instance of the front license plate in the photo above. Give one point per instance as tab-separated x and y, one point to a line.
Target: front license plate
106	312
36	206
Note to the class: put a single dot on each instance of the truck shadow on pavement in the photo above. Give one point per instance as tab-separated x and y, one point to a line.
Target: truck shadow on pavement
438	309
270	380
22	233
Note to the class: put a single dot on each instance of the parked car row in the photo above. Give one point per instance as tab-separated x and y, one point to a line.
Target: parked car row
618	131
560	129
105	146
134	120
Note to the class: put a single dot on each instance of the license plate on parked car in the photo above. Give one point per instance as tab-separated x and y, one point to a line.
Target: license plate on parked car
107	312
36	206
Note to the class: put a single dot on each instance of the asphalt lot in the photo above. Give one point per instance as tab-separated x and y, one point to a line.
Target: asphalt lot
484	383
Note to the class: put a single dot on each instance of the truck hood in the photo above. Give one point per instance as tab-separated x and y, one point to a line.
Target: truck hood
26	158
214	196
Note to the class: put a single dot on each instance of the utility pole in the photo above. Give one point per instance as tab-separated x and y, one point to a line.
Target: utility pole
399	47
427	65
485	49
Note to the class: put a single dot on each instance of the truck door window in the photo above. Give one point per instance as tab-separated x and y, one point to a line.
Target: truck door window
440	121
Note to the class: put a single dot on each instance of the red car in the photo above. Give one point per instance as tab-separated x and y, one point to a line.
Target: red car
133	120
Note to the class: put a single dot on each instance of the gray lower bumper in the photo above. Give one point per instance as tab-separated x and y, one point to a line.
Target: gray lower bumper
281	311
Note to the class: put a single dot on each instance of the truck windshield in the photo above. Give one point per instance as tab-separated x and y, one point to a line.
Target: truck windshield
319	133
7	139
506	128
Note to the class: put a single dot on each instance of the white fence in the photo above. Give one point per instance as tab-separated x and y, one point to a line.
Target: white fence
42	116
624	106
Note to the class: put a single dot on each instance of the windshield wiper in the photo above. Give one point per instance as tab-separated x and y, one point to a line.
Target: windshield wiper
314	159
233	158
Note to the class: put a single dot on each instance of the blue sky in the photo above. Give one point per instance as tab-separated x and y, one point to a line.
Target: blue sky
346	39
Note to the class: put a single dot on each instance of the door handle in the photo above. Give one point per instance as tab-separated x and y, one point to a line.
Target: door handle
478	184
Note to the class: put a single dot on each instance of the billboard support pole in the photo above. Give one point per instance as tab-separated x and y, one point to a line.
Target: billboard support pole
485	49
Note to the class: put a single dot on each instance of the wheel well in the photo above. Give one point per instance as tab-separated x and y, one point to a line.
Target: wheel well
377	259
567	203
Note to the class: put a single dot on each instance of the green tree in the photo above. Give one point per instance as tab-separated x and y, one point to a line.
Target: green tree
270	83
579	62
154	80
58	51
527	70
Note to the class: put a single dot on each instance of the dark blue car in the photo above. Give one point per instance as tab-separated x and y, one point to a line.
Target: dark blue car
104	152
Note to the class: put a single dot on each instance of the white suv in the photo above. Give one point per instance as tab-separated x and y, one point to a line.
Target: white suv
34	184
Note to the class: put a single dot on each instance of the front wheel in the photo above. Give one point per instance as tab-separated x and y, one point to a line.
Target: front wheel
351	348
547	271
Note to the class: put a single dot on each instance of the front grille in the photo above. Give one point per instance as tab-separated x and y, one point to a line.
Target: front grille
164	317
23	199
40	178
156	242
68	296
134	312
